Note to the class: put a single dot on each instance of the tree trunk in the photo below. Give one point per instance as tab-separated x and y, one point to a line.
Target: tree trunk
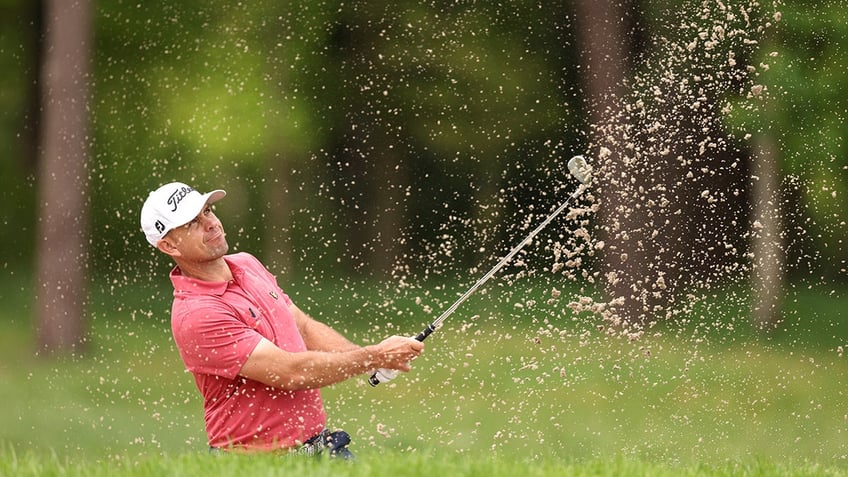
277	250
602	34
767	246
371	176
388	203
63	177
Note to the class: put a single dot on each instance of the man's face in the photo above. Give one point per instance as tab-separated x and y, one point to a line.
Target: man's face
200	240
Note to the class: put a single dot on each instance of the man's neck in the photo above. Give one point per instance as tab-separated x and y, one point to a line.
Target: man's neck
213	271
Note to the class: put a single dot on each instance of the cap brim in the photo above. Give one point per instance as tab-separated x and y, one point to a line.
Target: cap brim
214	196
197	207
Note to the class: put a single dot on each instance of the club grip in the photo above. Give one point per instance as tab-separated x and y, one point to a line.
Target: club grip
382	375
389	374
425	332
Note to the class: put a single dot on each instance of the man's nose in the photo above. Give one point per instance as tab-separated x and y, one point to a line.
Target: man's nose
208	221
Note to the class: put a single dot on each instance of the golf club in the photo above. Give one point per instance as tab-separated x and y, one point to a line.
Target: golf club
581	171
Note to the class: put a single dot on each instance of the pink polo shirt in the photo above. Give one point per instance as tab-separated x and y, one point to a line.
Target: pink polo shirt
216	326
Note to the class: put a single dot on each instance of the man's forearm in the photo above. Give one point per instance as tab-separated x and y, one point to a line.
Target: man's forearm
270	365
306	370
320	337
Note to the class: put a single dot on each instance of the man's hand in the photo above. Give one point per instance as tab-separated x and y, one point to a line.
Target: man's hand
396	352
407	347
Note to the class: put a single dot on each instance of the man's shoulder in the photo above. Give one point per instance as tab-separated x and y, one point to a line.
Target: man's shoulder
192	312
199	304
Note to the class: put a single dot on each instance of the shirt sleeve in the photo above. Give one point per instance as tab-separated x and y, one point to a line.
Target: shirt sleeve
213	340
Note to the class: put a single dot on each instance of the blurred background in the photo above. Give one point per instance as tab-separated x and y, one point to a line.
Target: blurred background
380	156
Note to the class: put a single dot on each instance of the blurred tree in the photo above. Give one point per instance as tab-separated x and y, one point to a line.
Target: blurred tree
344	131
794	114
673	203
767	231
63	177
454	107
607	51
767	236
434	101
366	155
799	109
20	102
692	169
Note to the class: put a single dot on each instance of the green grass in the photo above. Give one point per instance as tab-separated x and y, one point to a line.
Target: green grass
503	389
395	464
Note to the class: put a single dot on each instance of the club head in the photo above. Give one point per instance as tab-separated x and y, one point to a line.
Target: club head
580	169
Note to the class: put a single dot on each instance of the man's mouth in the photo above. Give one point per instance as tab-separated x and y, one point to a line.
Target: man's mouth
215	236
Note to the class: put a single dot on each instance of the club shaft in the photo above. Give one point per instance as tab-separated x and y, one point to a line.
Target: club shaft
505	259
383	375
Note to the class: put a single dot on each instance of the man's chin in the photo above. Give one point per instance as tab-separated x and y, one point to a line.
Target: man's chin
218	246
222	250
216	251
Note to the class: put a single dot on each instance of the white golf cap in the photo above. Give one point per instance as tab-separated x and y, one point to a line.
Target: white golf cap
171	206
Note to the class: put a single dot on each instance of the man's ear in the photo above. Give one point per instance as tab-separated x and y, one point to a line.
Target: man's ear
166	246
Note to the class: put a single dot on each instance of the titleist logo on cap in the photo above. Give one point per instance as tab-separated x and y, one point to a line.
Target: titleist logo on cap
177	196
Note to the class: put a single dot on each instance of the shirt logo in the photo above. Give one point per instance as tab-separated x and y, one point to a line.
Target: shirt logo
273	294
253	315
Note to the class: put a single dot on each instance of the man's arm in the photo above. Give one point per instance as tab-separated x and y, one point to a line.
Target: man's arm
317	335
271	365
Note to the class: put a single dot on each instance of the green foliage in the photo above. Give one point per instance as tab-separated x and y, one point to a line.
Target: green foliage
18	130
223	95
800	72
472	103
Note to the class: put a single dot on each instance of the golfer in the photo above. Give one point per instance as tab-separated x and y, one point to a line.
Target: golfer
257	359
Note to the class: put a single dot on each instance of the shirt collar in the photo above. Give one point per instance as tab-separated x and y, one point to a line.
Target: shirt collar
184	285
